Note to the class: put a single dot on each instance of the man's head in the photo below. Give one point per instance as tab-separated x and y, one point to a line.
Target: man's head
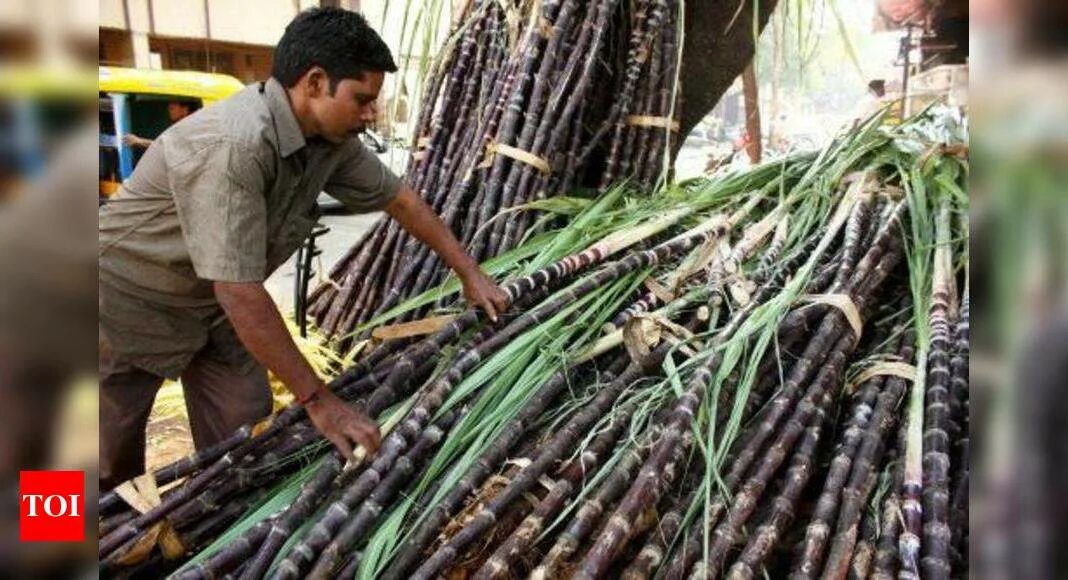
178	110
332	65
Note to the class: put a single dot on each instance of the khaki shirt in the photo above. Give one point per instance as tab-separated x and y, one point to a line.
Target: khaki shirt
226	194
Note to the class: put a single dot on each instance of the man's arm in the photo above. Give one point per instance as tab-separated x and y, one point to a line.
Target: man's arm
415	216
136	141
262	330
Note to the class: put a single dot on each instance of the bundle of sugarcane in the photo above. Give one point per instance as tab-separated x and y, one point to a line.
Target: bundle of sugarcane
547	443
511	116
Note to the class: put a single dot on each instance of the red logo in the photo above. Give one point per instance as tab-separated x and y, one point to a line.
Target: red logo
51	506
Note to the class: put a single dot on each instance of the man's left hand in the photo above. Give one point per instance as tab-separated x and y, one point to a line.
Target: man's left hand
480	290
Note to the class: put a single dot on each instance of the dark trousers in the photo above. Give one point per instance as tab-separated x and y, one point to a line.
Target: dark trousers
218	397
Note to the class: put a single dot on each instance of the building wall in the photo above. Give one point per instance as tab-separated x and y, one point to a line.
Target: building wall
236	37
246	62
112	14
177	18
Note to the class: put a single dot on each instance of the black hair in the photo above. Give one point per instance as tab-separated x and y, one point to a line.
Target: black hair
339	41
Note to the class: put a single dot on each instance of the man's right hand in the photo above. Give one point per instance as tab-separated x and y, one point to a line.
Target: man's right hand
136	141
261	329
343	425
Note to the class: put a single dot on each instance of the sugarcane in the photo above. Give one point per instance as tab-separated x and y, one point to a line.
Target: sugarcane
804	424
616	119
618	530
549	136
590	514
193	538
664	141
345	385
653	552
851	239
863	555
267	457
865	469
494	455
885	563
505	559
636	138
819	528
935	496
528	107
798	322
128	531
830	342
371	491
202	479
562	441
962	454
311	495
399	283
231	556
784	504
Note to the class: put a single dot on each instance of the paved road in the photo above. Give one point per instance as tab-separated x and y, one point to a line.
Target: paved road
345	231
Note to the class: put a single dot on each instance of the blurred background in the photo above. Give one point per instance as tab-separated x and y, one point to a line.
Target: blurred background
62	152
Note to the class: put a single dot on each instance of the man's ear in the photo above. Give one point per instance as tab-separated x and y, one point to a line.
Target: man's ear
316	83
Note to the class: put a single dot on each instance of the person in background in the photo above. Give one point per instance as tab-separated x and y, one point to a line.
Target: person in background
176	111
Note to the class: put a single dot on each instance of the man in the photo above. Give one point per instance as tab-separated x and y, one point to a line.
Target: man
220	200
176	111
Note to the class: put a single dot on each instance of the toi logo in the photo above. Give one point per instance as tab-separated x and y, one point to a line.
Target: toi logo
51	506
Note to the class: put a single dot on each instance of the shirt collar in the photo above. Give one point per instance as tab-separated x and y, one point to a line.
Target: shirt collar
290	138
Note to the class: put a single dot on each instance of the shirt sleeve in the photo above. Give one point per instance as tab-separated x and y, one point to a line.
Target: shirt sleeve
218	193
361	181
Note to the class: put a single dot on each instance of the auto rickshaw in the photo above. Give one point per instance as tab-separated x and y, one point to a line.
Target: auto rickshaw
134	101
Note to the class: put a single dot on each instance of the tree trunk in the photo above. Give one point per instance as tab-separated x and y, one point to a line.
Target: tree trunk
719	44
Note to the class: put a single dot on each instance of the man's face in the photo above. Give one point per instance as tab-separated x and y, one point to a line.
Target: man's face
177	111
350	109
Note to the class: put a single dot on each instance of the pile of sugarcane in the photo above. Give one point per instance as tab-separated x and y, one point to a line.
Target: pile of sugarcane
516	111
762	373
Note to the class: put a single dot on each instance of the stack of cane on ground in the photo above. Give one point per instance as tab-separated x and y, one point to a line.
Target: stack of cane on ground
525	104
761	373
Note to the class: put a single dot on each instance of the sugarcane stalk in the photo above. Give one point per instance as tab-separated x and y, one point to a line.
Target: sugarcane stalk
864	554
592	511
865	470
562	442
962	454
805	420
935	497
311	496
819	348
818	530
885	565
377	487
494	455
784	504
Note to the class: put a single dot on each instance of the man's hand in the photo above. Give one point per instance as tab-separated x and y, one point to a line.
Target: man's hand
261	329
135	141
415	216
343	425
480	290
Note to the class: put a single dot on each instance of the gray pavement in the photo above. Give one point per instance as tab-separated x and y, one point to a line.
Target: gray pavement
345	231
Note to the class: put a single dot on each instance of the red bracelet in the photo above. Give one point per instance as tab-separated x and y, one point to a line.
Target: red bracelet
303	401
